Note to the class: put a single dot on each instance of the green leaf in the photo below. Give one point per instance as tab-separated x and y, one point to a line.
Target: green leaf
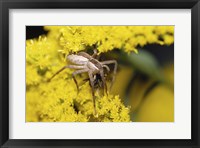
144	62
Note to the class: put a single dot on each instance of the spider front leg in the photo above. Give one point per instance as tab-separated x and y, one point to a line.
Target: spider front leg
104	82
92	86
78	72
81	68
95	53
115	69
68	66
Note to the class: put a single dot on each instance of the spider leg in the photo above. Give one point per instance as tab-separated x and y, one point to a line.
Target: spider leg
115	69
84	54
92	86
107	68
84	81
104	82
68	66
78	72
95	53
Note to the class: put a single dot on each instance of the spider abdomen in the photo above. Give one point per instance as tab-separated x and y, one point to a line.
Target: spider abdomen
76	59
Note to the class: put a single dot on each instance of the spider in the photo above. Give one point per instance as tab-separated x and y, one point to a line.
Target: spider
82	62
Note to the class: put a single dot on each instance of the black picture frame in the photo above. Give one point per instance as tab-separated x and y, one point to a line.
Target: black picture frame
5	5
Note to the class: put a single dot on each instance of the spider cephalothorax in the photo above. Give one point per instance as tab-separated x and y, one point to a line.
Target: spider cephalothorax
85	63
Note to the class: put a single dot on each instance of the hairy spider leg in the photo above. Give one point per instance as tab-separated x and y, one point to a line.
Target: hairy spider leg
94	53
68	66
104	82
115	69
78	72
86	55
107	68
82	70
92	86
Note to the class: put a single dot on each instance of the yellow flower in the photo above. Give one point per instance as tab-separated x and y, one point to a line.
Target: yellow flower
106	38
58	100
158	106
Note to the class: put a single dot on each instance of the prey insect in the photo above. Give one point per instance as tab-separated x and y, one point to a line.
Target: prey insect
82	62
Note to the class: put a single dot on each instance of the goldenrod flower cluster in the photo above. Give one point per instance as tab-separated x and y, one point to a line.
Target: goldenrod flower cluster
58	100
128	38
